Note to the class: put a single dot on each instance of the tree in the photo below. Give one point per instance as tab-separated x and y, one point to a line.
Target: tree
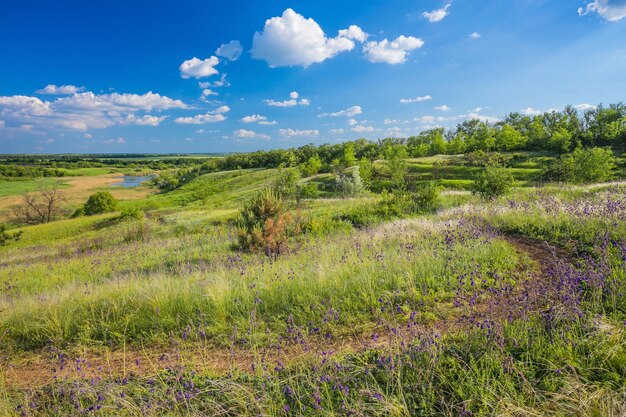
593	165
38	208
312	166
396	165
348	159
265	225
509	139
493	182
100	202
560	141
350	184
286	185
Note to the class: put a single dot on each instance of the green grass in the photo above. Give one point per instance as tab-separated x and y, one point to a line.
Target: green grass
394	319
11	187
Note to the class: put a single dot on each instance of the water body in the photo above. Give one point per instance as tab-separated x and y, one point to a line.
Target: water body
129	181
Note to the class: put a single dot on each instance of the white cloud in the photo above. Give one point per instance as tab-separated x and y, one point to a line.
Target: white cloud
222	82
268	122
611	10
477	109
255	118
393	52
61	90
293	101
474	35
442	108
437	15
390	122
292	132
529	111
112	141
585	107
199	68
87	136
84	111
147	120
337	131
213	116
349	112
249	134
231	50
353	122
416	99
362	129
354	32
293	40
208	92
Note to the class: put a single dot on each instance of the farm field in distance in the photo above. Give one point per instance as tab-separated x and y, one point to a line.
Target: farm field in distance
350	279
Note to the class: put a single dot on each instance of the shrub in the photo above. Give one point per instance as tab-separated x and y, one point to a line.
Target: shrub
582	166
100	202
493	182
425	197
400	203
308	190
593	165
131	213
349	185
264	225
6	237
286	185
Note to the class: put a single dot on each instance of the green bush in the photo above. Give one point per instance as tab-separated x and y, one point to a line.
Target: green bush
286	185
6	237
492	182
582	166
264	224
349	185
131	213
100	202
306	191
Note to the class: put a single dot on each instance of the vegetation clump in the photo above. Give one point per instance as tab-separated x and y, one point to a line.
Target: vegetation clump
493	182
265	225
99	203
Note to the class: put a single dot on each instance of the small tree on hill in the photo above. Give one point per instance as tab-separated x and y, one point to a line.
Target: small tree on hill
100	202
264	225
493	182
350	184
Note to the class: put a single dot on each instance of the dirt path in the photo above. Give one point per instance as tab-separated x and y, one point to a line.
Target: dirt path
42	368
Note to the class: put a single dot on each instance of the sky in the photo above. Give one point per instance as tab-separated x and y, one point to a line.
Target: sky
204	76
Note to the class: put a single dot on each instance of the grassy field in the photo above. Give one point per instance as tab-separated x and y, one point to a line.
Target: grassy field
512	307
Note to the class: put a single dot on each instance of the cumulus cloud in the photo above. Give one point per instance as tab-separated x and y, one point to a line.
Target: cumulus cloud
249	134
293	101
255	118
293	40
354	32
112	141
292	132
213	116
529	111
199	68
349	112
416	99
208	92
611	10
585	107
61	90
231	50
391	52
437	15
362	129
390	121
85	111
442	108
337	131
353	122
474	35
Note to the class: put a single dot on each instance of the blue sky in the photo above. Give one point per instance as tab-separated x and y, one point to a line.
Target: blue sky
204	76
